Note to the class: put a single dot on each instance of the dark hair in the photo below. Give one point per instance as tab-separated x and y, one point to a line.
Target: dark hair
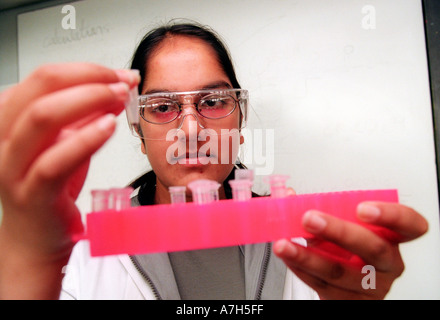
153	38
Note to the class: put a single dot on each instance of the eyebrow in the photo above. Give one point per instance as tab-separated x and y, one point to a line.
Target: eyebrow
214	85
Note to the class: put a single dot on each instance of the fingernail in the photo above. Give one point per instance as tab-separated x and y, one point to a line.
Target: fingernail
120	89
279	246
284	246
137	75
130	77
368	212
107	121
313	222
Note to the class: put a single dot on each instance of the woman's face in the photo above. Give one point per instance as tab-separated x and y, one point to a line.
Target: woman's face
183	63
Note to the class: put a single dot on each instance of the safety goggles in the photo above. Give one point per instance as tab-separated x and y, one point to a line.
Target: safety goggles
167	110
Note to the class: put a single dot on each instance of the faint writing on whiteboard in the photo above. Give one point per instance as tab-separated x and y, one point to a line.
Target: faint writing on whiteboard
69	20
82	32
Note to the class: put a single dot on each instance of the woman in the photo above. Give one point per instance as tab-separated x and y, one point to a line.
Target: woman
44	154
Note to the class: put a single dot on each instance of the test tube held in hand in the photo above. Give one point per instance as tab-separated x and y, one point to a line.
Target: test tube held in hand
132	106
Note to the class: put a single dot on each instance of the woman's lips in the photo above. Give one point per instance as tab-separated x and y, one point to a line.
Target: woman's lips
194	159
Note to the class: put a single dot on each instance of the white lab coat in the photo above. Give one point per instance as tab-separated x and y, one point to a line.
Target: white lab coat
116	277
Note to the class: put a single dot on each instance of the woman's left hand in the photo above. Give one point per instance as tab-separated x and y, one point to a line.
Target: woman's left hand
338	277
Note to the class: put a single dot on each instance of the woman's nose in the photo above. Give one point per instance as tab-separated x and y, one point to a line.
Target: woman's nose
188	118
189	129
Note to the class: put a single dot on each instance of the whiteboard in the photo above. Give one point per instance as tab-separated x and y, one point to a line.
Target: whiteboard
339	92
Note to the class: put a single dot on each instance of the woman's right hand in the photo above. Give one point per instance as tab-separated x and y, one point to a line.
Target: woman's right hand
50	125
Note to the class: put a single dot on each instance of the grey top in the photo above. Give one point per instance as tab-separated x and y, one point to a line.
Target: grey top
210	274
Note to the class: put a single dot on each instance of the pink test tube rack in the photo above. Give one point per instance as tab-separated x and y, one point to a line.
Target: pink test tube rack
218	223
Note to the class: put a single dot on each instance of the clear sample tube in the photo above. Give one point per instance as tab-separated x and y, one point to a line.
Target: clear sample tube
241	189
277	185
132	109
204	191
178	194
100	200
244	174
120	198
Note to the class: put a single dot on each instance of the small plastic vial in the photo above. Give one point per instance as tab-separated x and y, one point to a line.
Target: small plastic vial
241	189
178	194
100	200
244	174
132	106
120	198
277	185
204	191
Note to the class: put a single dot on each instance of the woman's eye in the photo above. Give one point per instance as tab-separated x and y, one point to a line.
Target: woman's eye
162	107
214	103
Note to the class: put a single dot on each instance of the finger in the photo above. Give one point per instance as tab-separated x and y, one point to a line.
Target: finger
329	277
39	127
51	78
55	166
4	95
327	291
47	79
291	192
370	247
401	219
